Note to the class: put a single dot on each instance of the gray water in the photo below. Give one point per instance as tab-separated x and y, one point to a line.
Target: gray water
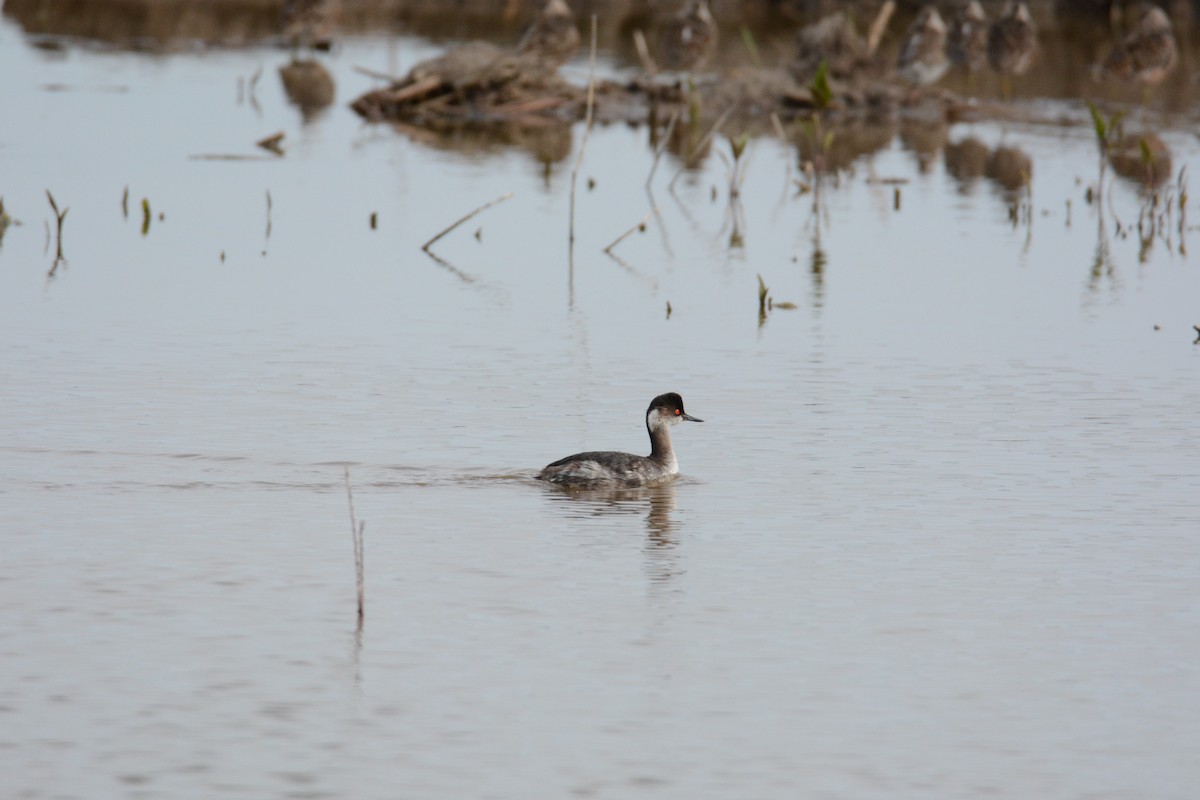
936	537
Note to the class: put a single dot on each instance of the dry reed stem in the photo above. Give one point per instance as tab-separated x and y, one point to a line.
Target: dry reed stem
413	91
643	51
587	129
639	226
662	145
875	33
463	219
778	126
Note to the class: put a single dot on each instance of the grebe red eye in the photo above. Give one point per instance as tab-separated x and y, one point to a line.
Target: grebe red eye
678	412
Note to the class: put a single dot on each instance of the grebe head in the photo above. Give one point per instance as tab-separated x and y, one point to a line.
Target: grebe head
667	409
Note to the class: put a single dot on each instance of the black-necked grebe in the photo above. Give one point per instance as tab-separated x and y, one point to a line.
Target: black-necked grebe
609	468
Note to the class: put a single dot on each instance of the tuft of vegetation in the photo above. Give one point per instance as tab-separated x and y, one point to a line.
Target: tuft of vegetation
751	47
818	87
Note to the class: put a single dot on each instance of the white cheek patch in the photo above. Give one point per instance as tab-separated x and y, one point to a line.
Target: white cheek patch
657	419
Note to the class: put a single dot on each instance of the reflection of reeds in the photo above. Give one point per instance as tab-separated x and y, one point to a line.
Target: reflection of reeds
59	260
587	129
1163	215
59	216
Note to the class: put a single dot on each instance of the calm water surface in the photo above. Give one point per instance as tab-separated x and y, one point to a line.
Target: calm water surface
936	538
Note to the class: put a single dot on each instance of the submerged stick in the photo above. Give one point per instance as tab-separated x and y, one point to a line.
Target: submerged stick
641	225
587	129
461	220
356	533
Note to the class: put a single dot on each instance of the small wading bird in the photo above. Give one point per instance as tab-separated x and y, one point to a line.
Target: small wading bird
611	469
1147	54
1012	44
689	38
552	38
922	59
966	37
308	23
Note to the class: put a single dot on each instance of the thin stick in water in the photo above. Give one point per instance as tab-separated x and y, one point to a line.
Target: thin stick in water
587	129
641	225
463	219
356	533
268	213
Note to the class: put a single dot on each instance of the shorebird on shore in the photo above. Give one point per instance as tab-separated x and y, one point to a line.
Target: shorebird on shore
1146	54
552	37
967	36
689	38
1012	44
308	24
923	59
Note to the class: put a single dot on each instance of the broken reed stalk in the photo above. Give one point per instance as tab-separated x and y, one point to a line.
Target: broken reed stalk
356	533
643	51
463	219
641	225
879	25
587	129
662	145
59	216
777	124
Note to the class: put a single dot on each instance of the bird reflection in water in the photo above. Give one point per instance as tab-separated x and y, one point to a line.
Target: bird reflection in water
966	161
656	502
309	87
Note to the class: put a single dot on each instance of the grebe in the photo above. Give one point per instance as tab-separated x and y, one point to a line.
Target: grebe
609	468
